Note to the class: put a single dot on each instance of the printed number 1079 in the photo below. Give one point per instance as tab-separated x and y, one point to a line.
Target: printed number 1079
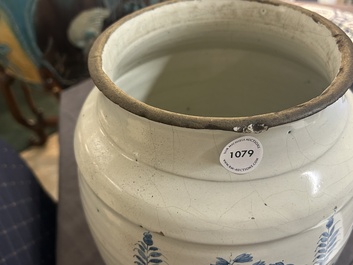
241	153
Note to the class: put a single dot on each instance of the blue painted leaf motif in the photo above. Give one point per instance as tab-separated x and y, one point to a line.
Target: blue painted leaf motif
147	238
243	258
322	245
141	246
323	239
140	259
331	244
329	222
326	242
146	253
153	248
142	255
325	234
333	235
221	261
320	256
155	254
156	261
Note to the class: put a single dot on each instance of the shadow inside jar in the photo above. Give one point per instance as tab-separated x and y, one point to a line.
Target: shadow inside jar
217	78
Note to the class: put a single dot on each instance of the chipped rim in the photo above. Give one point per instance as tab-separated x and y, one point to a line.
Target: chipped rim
246	124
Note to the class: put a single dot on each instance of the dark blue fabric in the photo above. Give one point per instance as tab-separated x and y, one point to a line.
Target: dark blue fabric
27	214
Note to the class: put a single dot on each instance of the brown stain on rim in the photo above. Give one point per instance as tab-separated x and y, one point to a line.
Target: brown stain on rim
341	83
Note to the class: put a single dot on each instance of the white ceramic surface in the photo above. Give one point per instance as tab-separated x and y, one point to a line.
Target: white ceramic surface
156	193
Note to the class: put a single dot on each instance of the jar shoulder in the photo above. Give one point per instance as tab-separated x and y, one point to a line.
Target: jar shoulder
271	207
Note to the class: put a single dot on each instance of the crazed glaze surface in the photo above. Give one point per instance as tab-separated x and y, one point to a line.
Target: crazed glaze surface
140	179
155	192
299	35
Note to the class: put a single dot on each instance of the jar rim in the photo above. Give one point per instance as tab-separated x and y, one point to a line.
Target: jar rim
246	124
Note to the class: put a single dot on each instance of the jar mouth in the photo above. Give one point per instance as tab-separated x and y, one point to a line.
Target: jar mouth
113	52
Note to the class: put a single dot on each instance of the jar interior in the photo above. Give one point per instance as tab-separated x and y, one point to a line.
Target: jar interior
225	66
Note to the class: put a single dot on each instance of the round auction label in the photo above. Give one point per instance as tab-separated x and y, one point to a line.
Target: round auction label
242	155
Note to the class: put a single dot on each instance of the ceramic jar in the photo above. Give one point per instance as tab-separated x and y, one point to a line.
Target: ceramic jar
219	133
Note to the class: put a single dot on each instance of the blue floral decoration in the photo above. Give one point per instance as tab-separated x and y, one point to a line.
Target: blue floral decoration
326	243
146	253
244	258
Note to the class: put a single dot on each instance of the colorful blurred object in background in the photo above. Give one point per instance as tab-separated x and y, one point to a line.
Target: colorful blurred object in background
44	45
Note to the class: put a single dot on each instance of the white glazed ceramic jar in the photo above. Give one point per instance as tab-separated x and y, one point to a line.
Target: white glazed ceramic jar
219	133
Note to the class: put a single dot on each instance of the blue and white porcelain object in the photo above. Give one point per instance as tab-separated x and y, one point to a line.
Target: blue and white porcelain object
220	132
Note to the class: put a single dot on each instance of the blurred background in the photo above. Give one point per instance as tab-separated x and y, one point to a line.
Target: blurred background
44	46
